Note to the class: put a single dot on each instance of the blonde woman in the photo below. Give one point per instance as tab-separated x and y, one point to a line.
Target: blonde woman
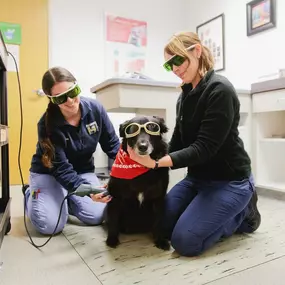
218	197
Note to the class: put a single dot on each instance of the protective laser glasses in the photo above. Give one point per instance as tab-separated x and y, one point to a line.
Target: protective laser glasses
72	93
176	60
134	129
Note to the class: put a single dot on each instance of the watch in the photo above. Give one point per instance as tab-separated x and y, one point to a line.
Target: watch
156	164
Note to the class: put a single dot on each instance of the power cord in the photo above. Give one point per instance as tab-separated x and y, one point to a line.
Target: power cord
79	192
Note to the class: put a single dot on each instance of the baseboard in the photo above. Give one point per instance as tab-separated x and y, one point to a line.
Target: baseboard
270	193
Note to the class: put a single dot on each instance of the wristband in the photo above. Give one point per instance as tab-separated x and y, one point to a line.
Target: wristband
156	164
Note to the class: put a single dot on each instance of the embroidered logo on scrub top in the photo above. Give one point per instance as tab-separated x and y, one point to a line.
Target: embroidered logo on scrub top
92	128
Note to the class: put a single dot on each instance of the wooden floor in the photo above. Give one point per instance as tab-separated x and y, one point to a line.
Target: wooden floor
79	256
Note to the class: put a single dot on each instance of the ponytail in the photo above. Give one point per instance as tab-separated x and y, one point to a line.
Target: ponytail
46	143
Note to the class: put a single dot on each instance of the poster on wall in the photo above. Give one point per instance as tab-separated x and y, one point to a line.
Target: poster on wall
125	45
211	34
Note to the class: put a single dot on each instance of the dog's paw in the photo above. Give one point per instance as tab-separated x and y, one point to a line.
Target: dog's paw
112	241
163	244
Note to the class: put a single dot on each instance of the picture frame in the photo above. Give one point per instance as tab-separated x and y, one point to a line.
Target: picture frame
260	16
212	35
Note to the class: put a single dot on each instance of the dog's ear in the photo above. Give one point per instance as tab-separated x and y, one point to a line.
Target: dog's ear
163	128
122	129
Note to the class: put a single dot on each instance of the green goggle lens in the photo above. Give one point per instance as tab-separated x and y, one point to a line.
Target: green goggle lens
150	128
62	98
176	60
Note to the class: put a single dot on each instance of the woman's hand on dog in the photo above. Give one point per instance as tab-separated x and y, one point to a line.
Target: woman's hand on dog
145	160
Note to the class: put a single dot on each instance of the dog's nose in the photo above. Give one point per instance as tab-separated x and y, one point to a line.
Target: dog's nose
142	147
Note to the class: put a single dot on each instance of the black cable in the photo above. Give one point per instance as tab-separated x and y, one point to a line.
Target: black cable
20	169
21	114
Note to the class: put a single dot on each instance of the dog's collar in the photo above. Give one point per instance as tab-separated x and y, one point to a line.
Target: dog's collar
126	168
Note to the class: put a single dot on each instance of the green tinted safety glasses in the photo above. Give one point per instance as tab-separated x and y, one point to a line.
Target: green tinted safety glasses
72	93
176	60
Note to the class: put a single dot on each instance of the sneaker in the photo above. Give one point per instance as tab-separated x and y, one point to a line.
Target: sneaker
253	218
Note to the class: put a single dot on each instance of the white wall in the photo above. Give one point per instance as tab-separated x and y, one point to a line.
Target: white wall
247	58
76	34
76	39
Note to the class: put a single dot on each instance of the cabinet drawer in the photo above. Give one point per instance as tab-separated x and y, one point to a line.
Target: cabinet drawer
268	101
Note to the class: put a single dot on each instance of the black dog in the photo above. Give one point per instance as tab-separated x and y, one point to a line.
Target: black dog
138	192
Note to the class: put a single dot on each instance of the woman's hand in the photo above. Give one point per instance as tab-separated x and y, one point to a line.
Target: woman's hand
146	160
100	198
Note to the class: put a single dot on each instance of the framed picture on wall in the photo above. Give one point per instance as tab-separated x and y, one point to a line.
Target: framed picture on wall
260	15
212	35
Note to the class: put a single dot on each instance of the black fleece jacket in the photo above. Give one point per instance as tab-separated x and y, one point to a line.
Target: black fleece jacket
206	137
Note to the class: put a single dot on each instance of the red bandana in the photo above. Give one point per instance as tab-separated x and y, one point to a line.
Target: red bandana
127	169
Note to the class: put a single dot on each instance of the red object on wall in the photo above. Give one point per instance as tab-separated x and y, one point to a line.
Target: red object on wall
123	30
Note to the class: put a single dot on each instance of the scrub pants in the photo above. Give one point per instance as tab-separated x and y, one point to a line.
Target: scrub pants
199	213
44	197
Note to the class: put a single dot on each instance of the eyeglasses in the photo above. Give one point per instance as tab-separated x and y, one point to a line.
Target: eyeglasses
72	93
176	60
134	129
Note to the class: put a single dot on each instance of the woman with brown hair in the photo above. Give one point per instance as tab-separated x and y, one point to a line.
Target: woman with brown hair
217	198
68	135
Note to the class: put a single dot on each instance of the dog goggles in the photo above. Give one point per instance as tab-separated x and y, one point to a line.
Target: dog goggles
134	129
176	60
72	93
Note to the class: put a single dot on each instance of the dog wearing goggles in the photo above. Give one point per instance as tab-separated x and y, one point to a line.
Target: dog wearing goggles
138	192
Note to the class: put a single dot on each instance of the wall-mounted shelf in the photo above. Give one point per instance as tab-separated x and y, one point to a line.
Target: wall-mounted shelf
5	200
4	139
